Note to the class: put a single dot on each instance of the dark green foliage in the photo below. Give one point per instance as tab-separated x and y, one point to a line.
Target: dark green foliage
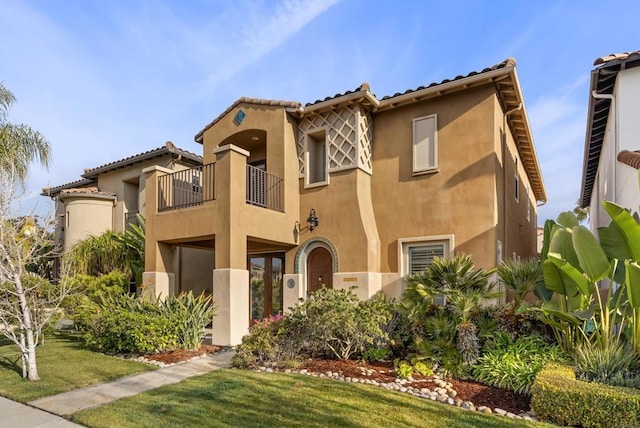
616	365
337	324
119	322
266	345
514	364
557	396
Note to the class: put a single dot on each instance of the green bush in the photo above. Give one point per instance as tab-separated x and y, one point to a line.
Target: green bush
558	397
403	369
514	364
615	365
265	345
336	323
190	315
83	305
125	331
126	323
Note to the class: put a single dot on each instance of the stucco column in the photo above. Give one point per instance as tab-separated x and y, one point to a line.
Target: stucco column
157	280
231	277
292	290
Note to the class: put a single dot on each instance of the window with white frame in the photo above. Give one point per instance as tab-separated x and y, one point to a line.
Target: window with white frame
418	253
316	158
425	143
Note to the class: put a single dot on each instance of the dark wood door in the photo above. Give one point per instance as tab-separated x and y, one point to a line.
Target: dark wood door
319	269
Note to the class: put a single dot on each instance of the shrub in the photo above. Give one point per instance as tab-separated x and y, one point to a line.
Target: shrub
126	323
83	305
336	323
190	315
423	369
557	396
514	364
264	346
125	331
403	369
376	354
614	365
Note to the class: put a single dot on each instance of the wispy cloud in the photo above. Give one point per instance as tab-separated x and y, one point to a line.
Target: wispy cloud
558	122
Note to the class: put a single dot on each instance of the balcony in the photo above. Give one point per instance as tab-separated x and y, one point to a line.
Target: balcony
264	190
186	188
193	186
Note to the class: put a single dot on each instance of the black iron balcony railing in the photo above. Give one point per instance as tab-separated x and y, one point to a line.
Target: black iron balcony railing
264	189
131	217
186	188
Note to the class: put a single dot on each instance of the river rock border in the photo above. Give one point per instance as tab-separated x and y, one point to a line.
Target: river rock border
441	392
143	359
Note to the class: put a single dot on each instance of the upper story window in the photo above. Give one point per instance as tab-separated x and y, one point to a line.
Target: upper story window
517	181
425	143
316	158
528	204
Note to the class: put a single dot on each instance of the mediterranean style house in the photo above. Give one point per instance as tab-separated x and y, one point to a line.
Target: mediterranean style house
612	143
110	196
349	191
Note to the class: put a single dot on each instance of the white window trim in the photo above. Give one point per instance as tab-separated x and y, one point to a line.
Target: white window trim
405	243
528	204
307	135
434	168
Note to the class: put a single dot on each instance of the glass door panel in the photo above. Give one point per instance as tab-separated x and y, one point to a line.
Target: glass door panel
276	285
256	284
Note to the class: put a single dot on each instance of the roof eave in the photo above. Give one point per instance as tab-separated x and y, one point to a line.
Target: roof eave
585	200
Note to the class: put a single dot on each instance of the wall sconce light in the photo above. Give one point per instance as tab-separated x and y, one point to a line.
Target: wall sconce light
313	220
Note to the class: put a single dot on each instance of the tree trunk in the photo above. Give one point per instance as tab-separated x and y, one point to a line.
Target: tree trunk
32	368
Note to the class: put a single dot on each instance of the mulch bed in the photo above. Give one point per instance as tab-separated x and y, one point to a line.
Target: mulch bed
182	355
477	393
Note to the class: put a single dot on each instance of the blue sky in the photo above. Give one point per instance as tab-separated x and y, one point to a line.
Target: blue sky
106	79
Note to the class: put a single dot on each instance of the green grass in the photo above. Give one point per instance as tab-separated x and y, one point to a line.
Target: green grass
236	398
63	364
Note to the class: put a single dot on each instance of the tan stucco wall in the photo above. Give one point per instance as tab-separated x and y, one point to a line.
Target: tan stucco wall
86	216
516	232
457	199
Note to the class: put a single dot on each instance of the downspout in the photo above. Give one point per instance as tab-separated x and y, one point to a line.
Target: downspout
612	98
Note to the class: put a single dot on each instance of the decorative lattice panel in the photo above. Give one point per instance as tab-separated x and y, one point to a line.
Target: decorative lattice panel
366	140
344	127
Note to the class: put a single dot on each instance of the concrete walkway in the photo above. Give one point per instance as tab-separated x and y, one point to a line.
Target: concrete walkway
18	415
68	403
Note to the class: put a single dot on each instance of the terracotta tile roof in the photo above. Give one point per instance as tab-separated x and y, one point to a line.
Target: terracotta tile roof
87	191
616	56
603	80
502	75
247	100
509	62
168	148
629	158
52	191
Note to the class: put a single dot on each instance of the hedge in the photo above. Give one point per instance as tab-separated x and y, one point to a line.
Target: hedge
558	397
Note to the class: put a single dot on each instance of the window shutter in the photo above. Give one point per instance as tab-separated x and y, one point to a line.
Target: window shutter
420	257
424	144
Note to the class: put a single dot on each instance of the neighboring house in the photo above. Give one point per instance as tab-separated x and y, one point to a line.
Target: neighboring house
612	141
110	196
352	190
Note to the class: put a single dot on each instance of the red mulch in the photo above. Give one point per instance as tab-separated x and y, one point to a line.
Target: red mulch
477	393
182	355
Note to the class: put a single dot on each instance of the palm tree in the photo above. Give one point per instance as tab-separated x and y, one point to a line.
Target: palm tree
19	144
521	277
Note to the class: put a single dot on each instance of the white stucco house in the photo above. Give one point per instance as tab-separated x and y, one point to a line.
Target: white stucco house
612	142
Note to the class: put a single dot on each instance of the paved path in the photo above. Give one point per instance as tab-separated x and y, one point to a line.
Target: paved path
80	399
18	415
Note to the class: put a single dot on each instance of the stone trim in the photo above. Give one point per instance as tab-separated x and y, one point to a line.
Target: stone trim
298	268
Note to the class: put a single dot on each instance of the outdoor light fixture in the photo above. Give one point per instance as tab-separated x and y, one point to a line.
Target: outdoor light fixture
312	221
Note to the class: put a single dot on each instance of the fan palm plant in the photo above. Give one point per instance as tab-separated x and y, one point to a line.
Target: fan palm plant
522	278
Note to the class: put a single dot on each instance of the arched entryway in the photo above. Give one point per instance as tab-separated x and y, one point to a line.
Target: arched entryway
319	269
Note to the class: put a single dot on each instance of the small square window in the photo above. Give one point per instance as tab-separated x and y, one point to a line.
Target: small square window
425	143
517	181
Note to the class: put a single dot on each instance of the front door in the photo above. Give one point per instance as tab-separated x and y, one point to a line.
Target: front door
265	294
319	269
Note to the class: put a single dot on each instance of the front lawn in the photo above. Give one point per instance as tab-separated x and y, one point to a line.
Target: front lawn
64	364
238	398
